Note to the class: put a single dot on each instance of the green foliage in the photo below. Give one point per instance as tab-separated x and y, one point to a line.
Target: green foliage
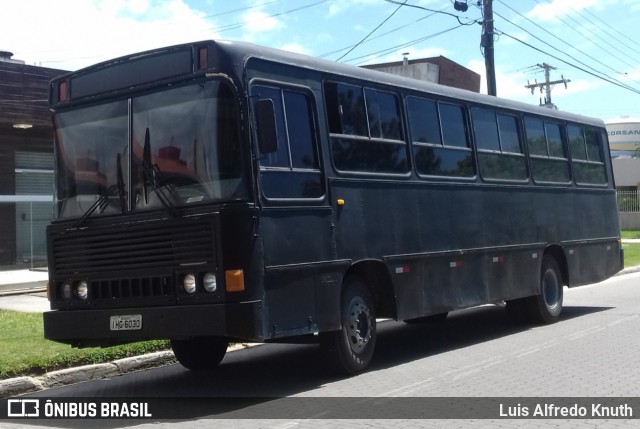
630	233
24	351
631	255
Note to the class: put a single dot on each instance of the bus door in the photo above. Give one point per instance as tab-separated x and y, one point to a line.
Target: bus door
295	223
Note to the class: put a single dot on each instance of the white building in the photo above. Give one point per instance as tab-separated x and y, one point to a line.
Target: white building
624	135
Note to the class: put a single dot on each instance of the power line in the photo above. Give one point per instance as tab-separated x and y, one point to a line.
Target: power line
404	45
619	84
609	78
594	72
242	24
608	27
372	31
432	10
255	6
552	35
587	36
402	27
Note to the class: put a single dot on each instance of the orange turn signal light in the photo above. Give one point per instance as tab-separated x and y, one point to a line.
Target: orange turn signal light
234	280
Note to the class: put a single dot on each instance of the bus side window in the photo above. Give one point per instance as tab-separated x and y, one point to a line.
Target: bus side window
586	155
547	152
366	131
497	137
439	141
290	169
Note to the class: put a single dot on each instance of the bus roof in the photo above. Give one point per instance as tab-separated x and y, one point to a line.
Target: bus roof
241	52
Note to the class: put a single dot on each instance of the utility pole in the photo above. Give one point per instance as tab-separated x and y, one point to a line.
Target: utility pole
486	41
487	44
546	85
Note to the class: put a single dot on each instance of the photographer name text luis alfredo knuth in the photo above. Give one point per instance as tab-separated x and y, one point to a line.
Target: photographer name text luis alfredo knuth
542	410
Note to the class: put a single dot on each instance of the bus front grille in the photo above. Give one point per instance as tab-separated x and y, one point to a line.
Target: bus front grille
132	246
131	288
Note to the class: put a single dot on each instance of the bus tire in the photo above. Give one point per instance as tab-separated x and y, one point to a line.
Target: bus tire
201	353
545	308
433	318
350	349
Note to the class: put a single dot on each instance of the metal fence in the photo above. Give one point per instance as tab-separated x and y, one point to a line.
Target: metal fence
628	201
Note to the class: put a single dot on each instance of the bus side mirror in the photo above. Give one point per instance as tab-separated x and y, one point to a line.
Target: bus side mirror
267	133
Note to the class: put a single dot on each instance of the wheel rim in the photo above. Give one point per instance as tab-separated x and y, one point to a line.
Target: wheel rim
550	289
359	327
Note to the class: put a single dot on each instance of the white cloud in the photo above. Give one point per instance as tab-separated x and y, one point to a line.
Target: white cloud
78	33
557	8
259	21
509	85
295	47
341	6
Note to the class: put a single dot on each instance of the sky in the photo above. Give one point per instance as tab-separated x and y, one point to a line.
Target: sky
593	43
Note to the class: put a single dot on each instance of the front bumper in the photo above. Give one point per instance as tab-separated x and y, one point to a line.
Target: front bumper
91	327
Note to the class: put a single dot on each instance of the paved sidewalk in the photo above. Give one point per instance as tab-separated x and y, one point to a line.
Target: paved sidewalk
19	281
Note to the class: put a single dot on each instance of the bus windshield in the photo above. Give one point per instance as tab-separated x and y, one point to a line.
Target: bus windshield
183	148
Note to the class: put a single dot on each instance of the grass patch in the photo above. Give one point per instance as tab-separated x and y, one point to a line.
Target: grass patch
24	351
630	233
631	254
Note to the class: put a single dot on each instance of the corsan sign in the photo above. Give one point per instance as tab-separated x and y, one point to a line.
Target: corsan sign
624	136
624	132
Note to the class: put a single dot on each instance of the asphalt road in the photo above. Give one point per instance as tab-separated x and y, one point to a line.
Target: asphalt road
594	351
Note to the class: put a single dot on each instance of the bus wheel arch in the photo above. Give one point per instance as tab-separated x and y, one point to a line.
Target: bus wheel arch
363	297
558	254
545	307
377	278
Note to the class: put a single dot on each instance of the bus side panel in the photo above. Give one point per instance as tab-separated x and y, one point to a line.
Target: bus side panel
593	257
592	262
438	283
302	281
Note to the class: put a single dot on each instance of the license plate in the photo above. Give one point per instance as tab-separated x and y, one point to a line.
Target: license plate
130	322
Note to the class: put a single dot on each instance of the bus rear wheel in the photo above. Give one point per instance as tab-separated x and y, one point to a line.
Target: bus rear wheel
351	348
545	308
200	353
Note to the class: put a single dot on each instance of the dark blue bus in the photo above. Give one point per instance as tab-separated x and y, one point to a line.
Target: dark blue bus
221	191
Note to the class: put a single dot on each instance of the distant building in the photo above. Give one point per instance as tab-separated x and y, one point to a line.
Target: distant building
624	141
439	70
624	135
26	162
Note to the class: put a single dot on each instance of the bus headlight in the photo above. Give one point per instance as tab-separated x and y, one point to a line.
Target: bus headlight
65	290
189	283
210	282
82	290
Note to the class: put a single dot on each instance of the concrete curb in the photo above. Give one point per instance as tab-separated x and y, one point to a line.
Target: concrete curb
21	385
629	270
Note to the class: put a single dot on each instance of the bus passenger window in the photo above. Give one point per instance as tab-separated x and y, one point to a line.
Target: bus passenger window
383	115
497	138
547	152
434	155
454	130
586	155
366	131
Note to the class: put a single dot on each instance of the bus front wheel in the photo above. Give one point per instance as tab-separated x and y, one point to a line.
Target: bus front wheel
200	353
545	307
351	348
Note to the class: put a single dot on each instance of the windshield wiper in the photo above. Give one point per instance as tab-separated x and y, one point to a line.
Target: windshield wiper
103	200
151	172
